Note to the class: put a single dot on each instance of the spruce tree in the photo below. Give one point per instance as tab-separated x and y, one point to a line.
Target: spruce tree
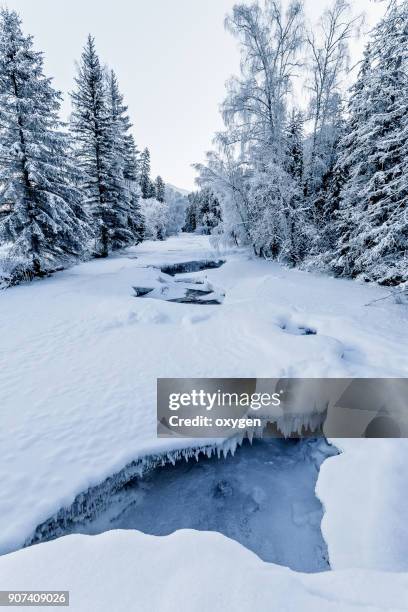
373	225
130	222
192	212
297	240
91	129
160	189
349	153
131	175
294	146
152	189
145	181
132	162
46	224
119	192
106	153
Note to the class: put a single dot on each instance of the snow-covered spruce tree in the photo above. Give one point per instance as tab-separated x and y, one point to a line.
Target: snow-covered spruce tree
132	161
298	227
146	184
160	189
193	211
190	222
46	225
202	211
90	127
100	125
210	211
294	146
131	175
122	229
322	206
373	218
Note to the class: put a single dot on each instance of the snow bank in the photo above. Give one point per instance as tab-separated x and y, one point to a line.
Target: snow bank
364	493
192	572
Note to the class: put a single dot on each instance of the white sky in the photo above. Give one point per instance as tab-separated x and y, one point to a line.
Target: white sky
172	58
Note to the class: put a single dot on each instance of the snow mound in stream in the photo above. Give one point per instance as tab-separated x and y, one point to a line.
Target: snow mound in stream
189	571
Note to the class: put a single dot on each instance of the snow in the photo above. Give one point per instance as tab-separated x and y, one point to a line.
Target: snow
81	356
128	570
364	493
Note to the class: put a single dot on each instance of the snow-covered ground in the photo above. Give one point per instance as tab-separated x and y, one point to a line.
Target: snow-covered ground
190	571
80	357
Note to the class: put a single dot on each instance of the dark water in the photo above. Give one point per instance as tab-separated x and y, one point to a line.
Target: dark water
263	497
191	266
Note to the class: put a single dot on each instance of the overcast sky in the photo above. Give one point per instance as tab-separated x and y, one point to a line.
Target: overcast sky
172	58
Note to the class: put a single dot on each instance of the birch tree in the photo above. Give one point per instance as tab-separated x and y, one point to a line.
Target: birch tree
329	49
249	169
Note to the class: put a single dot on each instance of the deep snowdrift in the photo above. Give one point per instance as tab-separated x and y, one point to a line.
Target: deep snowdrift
190	572
365	496
81	356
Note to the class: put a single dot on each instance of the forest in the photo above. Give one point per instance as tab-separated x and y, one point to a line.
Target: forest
70	191
324	186
318	186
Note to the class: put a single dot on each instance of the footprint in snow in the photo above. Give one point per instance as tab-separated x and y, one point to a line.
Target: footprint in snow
297	330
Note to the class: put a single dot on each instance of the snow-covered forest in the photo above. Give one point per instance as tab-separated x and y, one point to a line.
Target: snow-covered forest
322	186
75	190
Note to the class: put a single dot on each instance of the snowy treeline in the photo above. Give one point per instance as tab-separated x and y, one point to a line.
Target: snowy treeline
203	212
164	216
163	208
67	191
323	186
